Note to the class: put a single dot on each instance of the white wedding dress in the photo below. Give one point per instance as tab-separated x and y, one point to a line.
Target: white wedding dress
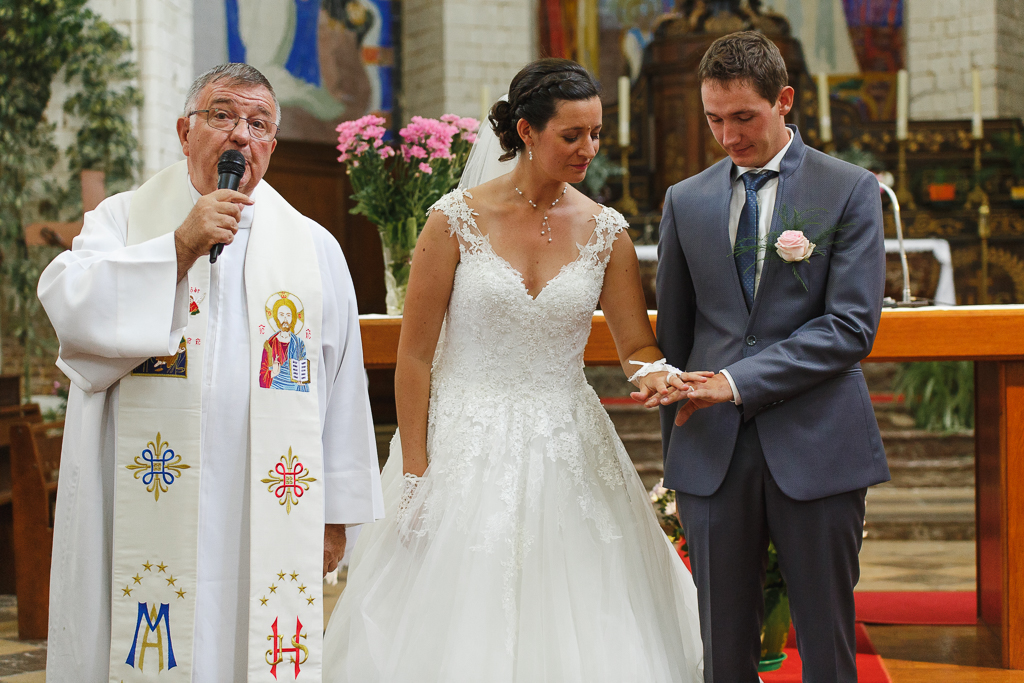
530	552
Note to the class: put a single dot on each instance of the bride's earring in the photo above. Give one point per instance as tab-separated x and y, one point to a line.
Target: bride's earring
530	152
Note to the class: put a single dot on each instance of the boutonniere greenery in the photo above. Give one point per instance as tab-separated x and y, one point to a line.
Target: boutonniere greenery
791	244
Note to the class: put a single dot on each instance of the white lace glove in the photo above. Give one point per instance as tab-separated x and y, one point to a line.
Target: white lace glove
410	484
656	366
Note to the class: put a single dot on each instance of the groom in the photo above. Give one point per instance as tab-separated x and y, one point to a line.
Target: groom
782	442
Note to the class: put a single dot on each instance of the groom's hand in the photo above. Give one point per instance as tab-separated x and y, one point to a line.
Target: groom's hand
716	390
334	546
661	388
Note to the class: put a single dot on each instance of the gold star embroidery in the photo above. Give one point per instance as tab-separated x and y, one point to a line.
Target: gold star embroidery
263	601
170	581
127	591
147	566
309	600
294	575
280	575
302	589
273	588
181	593
161	566
137	578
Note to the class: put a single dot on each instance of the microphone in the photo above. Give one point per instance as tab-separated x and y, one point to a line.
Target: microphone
908	300
231	168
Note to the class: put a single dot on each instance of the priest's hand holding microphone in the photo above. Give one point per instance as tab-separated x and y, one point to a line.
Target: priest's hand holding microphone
213	221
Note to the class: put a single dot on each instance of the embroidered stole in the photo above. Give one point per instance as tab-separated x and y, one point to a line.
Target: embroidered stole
159	461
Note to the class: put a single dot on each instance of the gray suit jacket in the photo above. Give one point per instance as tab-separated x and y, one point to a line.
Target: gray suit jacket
795	357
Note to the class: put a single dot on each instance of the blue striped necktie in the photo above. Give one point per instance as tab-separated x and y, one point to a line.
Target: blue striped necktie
746	232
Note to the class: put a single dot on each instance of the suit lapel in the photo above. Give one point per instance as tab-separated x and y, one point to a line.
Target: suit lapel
790	163
722	243
770	264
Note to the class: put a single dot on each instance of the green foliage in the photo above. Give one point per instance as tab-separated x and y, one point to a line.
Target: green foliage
600	170
860	157
36	38
39	38
105	141
775	628
1009	147
940	395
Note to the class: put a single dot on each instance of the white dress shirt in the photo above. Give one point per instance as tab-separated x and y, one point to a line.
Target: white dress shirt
766	209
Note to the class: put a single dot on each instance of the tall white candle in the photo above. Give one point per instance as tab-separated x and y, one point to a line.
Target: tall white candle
624	111
485	103
977	129
902	103
824	109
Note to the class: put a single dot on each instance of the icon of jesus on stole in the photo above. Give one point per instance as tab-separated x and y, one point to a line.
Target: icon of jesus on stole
284	364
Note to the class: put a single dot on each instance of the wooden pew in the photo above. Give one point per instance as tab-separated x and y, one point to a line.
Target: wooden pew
35	463
10	415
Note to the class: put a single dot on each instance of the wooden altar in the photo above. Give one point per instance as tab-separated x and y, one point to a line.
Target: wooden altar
993	337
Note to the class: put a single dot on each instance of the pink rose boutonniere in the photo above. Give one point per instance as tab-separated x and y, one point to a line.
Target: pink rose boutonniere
791	244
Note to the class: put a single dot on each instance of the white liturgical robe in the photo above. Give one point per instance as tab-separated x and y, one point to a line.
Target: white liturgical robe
114	306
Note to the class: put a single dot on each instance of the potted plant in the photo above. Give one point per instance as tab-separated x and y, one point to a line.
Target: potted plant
394	188
1010	147
942	187
939	394
777	620
600	171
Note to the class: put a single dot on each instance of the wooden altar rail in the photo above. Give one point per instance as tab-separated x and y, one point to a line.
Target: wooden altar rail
992	337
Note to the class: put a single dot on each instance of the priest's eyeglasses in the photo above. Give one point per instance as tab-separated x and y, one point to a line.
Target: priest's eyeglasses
222	119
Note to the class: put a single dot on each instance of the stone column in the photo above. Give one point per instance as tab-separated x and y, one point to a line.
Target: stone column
946	39
451	49
1010	57
161	35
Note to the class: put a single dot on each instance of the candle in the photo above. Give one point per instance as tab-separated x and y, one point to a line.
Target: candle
977	130
902	103
485	103
824	108
623	111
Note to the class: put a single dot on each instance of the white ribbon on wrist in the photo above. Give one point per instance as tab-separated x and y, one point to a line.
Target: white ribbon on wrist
656	366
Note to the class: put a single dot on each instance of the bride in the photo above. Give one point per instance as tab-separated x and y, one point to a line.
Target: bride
519	544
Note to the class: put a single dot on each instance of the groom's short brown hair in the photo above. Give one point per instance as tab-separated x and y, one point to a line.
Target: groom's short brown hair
745	56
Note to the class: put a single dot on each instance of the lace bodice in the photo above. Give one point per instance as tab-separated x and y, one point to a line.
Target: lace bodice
496	333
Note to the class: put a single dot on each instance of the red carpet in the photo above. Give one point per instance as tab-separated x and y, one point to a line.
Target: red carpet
931	608
869	665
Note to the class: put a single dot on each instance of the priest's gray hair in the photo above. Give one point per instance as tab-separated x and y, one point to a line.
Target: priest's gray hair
234	74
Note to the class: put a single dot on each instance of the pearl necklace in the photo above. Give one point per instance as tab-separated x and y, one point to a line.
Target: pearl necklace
545	226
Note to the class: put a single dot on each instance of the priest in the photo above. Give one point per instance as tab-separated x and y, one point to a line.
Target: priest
198	507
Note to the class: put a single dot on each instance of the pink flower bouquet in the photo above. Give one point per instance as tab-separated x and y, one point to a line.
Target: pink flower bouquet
394	185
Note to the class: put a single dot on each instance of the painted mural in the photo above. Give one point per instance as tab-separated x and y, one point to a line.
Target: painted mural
876	29
329	60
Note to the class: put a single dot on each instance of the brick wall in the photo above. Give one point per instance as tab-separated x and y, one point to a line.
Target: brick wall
946	39
422	58
452	48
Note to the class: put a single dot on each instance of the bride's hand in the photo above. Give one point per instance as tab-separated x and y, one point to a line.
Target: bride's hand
661	388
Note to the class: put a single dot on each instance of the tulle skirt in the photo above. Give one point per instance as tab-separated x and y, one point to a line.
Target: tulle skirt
530	554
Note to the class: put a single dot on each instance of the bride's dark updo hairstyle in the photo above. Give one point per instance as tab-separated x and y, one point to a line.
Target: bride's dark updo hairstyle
534	95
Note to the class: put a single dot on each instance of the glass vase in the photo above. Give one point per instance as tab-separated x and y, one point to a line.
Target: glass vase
396	278
398	242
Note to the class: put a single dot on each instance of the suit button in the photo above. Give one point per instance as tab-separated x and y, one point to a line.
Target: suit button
751	340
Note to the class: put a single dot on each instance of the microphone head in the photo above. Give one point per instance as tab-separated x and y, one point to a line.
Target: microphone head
231	161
